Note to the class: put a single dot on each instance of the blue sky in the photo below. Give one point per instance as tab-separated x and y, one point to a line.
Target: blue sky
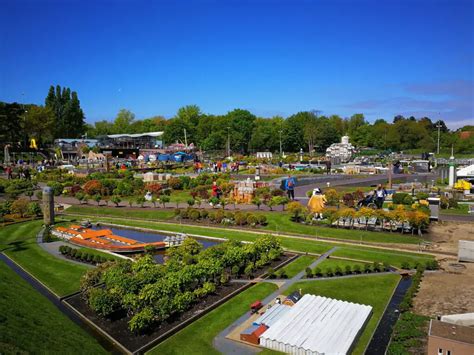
380	58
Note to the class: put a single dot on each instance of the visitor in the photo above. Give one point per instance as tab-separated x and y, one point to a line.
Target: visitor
290	184
317	202
328	167
26	174
9	172
280	164
380	195
216	190
224	167
219	166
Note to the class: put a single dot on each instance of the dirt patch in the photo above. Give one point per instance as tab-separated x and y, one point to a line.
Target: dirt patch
447	291
444	236
118	327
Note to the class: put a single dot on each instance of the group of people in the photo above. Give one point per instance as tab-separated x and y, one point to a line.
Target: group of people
23	172
216	167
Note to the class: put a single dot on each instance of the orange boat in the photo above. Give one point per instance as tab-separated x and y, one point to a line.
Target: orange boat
103	239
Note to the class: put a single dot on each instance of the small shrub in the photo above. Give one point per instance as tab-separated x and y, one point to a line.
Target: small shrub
262	220
386	266
338	271
367	268
376	267
357	269
406	265
348	270
309	273
317	272
271	273
408	200
329	272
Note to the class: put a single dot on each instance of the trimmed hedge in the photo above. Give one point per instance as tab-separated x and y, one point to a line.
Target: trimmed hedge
220	216
83	255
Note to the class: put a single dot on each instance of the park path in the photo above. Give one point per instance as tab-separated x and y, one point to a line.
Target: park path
227	346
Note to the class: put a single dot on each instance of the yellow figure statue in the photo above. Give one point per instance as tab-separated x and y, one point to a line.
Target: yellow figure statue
33	144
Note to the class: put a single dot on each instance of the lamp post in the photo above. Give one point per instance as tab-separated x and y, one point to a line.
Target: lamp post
281	149
438	126
228	141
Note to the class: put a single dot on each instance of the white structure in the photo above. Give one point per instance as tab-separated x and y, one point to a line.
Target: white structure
317	325
272	315
452	170
264	155
466	172
342	152
465	319
466	251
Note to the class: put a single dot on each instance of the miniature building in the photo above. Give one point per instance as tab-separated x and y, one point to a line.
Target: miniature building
450	339
341	152
244	190
152	177
291	299
317	325
252	333
264	155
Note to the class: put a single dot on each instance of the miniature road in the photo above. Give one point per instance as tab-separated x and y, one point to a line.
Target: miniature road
227	346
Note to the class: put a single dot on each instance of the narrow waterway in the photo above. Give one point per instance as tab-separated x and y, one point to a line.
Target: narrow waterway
148	237
379	343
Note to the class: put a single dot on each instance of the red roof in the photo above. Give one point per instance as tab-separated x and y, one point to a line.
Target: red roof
260	330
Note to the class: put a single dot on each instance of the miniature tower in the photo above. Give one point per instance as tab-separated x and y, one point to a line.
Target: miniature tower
48	206
452	171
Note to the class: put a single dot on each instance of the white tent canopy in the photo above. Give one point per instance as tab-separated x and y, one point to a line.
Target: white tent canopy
317	325
466	172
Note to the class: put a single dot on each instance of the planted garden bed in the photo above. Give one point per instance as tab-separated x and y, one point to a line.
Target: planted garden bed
117	325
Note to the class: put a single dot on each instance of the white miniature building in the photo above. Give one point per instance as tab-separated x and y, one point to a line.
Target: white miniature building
264	155
342	152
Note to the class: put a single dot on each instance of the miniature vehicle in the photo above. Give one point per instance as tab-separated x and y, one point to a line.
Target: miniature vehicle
254	307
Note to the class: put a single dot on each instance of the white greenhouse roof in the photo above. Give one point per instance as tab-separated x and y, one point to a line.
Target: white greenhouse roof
272	315
136	135
317	325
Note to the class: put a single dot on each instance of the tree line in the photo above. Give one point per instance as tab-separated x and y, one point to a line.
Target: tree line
60	117
307	130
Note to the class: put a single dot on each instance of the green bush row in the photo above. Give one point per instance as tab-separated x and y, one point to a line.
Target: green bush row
348	270
428	265
83	255
227	218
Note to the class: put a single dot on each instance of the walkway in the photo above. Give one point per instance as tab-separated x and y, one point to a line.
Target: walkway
227	346
53	249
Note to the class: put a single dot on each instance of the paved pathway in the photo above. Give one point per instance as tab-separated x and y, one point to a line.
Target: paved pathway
227	346
53	249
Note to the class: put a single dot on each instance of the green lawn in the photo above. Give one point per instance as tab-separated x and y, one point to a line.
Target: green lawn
394	258
197	337
370	290
333	263
298	265
19	243
29	323
462	209
277	222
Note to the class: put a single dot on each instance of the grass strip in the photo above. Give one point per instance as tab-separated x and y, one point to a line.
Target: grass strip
29	323
19	243
300	264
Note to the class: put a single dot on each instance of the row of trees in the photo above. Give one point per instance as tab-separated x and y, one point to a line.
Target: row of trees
151	293
308	130
60	117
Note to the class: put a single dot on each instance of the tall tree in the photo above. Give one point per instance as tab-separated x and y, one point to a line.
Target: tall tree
68	115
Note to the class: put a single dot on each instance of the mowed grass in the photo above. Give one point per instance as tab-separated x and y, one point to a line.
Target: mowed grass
375	291
197	337
29	323
333	263
277	222
298	265
394	258
303	245
19	243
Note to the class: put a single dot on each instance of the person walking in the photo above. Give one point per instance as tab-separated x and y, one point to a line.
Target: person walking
380	195
9	172
290	184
